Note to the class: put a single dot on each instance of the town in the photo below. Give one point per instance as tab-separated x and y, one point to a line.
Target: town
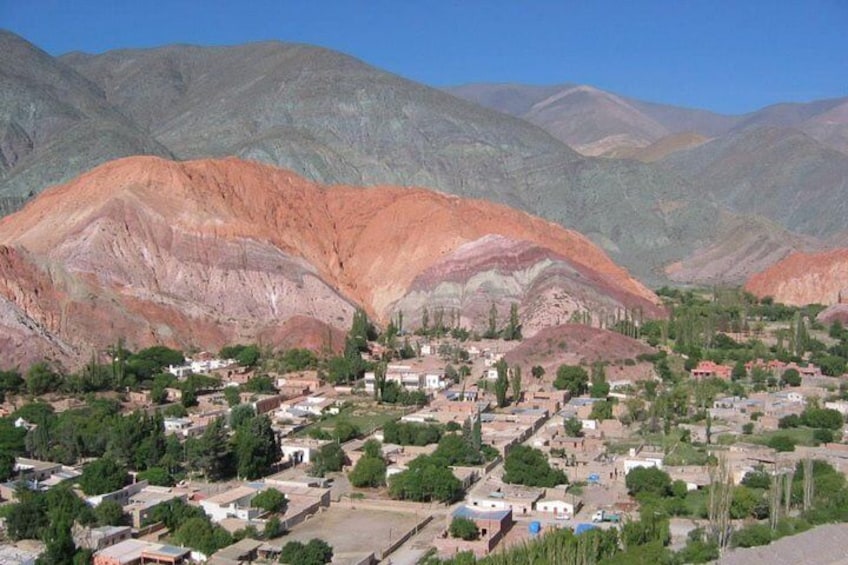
677	440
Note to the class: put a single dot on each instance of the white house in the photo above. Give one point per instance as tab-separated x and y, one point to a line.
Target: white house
647	462
559	508
233	503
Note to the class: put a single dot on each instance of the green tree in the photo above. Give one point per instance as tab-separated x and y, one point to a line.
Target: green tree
515	383
256	448
513	327
273	528
781	443
368	472
240	414
501	383
601	410
464	528
232	396
314	552
109	513
528	466
330	458
211	453
648	480
791	377
537	371
492	328
572	378
270	500
573	427
199	533
42	379
101	476
157	476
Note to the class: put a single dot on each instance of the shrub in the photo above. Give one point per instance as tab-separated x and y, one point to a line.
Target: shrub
464	528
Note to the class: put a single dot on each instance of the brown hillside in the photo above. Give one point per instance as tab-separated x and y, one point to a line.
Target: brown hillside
202	252
805	278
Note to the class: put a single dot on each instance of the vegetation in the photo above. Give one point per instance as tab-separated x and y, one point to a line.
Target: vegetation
409	433
572	378
314	552
528	466
464	528
370	470
329	459
270	500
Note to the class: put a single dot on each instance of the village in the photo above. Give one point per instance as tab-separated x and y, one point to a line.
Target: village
459	446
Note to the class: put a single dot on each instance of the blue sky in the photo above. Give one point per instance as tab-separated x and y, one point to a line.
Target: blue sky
727	56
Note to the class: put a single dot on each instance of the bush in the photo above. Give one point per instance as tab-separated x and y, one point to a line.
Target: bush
781	443
271	500
751	536
648	480
368	472
528	466
823	435
315	552
464	528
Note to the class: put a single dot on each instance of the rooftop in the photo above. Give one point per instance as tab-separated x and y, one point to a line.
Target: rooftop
474	514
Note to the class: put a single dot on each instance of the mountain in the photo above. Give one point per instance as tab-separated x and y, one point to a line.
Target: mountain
777	173
54	124
334	119
805	278
591	120
203	253
597	122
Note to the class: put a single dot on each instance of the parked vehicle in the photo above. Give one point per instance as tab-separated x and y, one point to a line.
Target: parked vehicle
604	516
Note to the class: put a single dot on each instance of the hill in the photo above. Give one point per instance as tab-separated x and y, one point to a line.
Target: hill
777	173
805	278
54	124
207	252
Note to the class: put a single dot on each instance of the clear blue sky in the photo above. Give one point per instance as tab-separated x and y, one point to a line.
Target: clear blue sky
728	56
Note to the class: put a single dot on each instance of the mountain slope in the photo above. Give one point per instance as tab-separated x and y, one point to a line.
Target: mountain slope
781	174
335	119
54	124
805	278
205	252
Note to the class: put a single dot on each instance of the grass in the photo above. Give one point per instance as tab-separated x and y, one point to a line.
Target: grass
799	436
367	416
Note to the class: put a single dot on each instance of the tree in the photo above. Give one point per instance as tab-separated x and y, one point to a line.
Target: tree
781	443
314	552
515	382
528	466
739	371
601	410
273	528
537	371
270	500
822	418
212	453
791	377
572	378
202	535
368	472
232	396
379	381
101	476
501	383
573	427
648	480
109	513
256	448
513	328
42	379
157	476
464	528
330	458
241	414
492	329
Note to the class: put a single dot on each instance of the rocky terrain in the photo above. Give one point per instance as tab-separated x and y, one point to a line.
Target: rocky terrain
202	253
336	120
805	278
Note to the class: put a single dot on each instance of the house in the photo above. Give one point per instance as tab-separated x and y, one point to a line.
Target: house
501	496
492	524
99	538
709	370
37	475
301	450
138	552
233	503
561	509
243	551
